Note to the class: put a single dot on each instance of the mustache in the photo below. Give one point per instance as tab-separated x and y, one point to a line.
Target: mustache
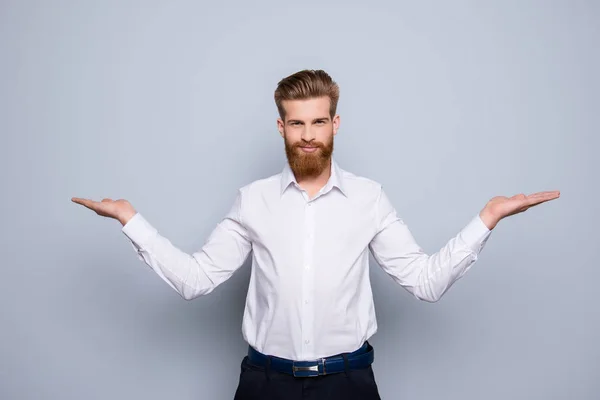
311	144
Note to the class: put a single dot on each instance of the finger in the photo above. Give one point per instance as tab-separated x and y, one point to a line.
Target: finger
550	196
540	200
550	193
78	200
91	204
541	196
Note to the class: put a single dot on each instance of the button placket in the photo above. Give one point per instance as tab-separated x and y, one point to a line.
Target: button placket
307	278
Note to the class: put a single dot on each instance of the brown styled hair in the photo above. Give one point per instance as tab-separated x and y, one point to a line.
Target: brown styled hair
307	84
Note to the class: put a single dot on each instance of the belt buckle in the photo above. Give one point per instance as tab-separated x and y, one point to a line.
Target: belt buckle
311	370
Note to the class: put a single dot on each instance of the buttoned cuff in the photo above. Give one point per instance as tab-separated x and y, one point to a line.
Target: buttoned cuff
139	231
475	234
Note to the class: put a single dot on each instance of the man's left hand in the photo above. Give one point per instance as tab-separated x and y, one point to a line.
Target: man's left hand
500	206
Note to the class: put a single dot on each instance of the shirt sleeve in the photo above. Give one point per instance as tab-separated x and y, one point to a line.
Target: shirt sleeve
199	273
427	277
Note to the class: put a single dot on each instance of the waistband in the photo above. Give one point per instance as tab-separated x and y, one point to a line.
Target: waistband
360	358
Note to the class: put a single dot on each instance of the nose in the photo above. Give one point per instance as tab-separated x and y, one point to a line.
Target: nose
308	135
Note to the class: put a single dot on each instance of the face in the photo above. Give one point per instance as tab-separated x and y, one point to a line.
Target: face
308	132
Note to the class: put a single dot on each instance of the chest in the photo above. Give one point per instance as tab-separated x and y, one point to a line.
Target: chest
330	223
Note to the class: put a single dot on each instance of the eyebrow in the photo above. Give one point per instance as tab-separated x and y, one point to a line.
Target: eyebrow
314	120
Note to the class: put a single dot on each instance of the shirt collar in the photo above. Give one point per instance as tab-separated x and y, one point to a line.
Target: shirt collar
335	179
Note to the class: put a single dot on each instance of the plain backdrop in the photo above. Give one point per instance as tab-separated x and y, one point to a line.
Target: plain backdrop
169	104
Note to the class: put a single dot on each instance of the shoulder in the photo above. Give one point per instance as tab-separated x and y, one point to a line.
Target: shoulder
361	185
262	184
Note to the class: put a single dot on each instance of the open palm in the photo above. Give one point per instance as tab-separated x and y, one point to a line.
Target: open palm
119	209
502	206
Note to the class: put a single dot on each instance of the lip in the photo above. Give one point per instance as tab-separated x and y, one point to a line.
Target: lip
309	149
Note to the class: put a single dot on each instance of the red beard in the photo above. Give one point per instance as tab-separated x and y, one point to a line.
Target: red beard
308	164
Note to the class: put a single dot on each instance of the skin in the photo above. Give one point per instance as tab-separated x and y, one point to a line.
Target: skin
308	123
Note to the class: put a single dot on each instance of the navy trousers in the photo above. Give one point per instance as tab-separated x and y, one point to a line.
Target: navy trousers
260	383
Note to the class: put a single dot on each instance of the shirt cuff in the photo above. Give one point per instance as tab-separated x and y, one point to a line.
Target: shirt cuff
139	231
475	234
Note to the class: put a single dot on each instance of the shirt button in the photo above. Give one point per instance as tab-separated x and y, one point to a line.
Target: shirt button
307	341
309	204
305	301
307	266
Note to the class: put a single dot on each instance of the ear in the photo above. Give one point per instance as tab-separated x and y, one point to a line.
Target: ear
336	124
280	125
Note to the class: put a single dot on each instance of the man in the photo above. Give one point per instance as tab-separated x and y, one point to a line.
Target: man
309	311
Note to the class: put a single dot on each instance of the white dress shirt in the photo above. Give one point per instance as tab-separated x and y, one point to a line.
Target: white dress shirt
309	294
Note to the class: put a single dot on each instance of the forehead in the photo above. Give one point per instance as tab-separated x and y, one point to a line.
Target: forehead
306	109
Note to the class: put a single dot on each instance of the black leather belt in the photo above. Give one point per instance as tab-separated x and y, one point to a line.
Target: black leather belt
361	358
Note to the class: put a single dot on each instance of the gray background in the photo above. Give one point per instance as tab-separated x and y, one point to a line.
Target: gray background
169	105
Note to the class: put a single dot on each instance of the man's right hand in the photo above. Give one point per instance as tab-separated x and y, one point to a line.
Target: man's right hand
121	209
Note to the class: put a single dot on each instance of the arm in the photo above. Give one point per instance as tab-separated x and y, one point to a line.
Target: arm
427	277
225	250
